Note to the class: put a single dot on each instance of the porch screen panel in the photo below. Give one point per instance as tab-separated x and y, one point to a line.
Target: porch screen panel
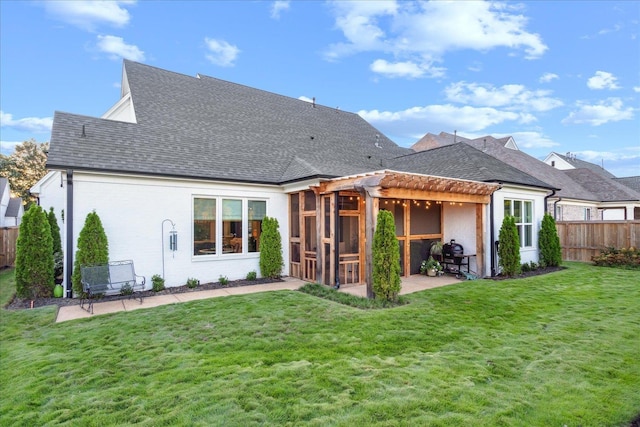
294	204
419	250
349	235
425	218
396	207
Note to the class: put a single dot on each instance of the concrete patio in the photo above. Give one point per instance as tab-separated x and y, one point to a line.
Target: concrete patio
409	285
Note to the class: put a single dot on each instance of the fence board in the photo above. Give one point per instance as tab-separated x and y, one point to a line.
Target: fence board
8	237
580	240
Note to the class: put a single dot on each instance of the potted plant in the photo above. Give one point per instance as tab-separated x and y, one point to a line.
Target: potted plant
430	267
436	248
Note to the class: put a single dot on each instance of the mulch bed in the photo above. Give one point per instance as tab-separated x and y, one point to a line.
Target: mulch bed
18	303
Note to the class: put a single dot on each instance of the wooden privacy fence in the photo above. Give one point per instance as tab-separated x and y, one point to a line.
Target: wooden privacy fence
580	240
8	237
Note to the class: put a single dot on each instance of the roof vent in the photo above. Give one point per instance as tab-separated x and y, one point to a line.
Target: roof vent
84	134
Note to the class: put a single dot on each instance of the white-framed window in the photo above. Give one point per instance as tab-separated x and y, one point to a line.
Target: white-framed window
226	225
522	211
587	214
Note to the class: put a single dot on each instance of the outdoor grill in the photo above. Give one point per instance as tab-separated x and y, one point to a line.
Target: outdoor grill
454	251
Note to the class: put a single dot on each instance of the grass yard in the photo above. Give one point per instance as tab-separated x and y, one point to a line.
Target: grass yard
554	350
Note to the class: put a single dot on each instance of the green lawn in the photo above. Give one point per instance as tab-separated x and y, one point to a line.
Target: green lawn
554	350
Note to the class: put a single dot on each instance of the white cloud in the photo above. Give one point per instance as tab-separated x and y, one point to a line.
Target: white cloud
8	147
511	96
547	77
29	124
221	52
404	69
603	80
636	88
609	110
89	14
533	140
596	156
416	121
422	32
279	6
117	48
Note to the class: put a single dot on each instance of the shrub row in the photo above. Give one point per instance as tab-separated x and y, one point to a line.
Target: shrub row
624	257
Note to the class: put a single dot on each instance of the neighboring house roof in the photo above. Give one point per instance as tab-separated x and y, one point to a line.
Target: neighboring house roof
4	183
462	161
555	178
13	209
633	182
581	164
203	127
606	190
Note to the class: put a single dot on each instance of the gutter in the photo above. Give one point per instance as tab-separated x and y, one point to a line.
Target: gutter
555	204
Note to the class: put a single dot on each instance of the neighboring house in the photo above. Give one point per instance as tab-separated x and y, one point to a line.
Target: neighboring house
209	159
571	161
11	208
592	195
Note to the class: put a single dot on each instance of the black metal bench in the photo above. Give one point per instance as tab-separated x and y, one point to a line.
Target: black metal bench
113	278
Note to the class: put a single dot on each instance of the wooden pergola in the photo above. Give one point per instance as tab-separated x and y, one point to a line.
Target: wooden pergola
389	184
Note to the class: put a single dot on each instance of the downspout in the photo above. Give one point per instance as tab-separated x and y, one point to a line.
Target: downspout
555	210
336	242
69	244
546	204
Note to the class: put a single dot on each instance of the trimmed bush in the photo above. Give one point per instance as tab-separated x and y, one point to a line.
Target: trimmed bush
34	255
271	261
509	247
622	258
386	258
192	283
93	248
549	242
58	256
223	280
252	275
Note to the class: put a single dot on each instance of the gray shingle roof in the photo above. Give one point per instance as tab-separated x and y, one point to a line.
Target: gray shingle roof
13	208
607	190
462	161
209	128
633	182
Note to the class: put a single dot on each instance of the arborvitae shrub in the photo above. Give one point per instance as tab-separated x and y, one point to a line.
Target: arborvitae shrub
93	248
271	261
57	243
386	258
34	255
509	247
549	242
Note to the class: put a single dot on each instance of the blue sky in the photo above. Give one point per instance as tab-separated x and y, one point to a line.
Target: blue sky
557	76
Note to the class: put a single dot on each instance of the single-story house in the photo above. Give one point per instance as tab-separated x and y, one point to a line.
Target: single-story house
207	160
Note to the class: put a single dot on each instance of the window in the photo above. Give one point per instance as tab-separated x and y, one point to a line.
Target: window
522	211
238	231
587	214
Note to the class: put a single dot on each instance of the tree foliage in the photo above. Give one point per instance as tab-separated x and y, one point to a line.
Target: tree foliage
386	258
24	167
93	248
34	255
509	247
549	242
271	260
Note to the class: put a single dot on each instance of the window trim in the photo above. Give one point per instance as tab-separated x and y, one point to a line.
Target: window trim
520	222
219	231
